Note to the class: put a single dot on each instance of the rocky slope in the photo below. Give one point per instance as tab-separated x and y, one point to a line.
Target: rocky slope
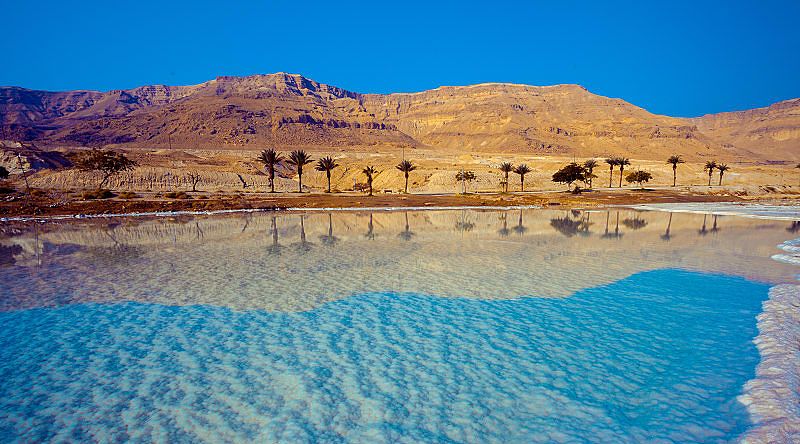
290	111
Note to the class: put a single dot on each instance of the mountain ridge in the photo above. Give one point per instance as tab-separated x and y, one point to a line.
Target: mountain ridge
289	110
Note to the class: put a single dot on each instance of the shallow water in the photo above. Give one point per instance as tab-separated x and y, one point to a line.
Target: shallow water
452	326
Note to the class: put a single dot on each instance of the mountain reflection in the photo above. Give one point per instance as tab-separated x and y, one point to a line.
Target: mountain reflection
267	261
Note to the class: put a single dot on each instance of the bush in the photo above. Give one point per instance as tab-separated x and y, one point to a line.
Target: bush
128	195
177	195
97	194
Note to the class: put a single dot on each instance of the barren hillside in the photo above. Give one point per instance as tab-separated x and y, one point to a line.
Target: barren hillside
288	111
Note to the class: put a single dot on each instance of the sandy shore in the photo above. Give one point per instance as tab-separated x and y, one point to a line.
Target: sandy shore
45	204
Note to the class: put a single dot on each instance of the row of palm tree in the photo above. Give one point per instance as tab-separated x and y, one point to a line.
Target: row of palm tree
711	165
299	158
521	169
620	162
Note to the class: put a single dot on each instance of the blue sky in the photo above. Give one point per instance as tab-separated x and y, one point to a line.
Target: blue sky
681	58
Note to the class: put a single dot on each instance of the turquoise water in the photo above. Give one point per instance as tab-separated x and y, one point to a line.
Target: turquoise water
523	327
660	355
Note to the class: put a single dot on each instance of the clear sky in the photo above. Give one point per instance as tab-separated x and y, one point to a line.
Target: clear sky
681	58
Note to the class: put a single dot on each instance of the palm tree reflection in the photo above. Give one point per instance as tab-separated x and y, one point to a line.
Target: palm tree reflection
406	234
616	234
275	248
520	229
504	231
667	236
370	229
329	240
703	230
303	246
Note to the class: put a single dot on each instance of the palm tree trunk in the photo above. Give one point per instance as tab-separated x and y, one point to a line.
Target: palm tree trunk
621	169
328	173
405	190
674	174
522	182
505	186
720	178
299	182
709	179
611	176
272	179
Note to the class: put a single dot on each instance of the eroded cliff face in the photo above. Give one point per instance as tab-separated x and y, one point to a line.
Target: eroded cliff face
772	132
288	110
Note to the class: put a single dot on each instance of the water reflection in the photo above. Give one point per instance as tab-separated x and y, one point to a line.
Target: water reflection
616	234
667	235
223	260
406	234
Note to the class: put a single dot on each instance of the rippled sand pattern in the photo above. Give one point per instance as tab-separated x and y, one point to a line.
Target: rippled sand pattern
657	357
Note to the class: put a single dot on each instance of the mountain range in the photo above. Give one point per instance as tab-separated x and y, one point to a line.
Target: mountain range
290	111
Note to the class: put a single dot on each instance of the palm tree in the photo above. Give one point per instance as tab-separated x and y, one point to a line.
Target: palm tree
506	168
522	170
327	164
298	158
722	168
674	161
590	165
270	158
710	166
622	162
406	167
369	171
612	162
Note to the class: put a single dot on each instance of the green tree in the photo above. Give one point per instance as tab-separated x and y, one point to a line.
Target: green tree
107	162
298	159
569	174
612	162
722	168
370	172
270	158
507	167
710	166
674	161
590	165
406	167
522	170
640	177
327	164
464	177
622	162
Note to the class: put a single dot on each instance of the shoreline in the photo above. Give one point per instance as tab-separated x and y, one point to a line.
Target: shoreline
55	206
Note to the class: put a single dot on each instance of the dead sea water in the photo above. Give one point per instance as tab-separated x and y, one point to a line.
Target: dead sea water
421	326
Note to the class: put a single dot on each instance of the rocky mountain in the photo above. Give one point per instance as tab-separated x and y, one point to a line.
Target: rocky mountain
287	111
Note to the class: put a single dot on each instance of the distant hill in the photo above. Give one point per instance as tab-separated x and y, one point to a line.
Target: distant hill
286	111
